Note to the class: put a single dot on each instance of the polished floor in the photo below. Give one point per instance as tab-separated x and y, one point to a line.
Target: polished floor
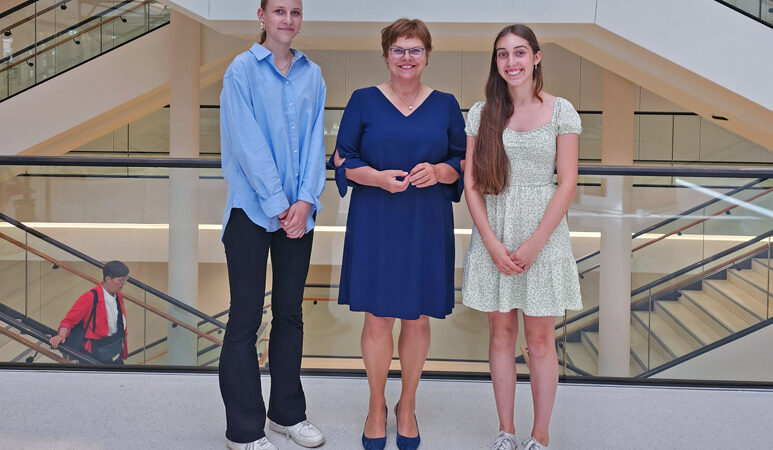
89	410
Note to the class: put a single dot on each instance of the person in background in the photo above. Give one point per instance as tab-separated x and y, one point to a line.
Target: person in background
520	254
400	146
105	325
273	158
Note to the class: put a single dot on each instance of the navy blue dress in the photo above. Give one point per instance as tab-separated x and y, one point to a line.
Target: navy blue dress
398	256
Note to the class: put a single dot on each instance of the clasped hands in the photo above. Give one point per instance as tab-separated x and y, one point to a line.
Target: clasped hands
421	176
516	262
293	219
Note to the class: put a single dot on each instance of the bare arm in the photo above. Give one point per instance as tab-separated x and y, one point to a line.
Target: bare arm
566	165
477	206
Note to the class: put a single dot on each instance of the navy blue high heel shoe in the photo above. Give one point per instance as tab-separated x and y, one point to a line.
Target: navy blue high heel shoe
407	443
375	443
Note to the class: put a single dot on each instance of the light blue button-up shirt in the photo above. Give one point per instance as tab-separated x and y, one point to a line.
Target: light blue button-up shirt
271	136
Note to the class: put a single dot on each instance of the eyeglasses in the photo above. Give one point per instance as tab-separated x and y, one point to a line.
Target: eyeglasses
398	52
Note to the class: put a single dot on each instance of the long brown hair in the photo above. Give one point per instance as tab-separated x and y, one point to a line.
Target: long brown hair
491	168
263	5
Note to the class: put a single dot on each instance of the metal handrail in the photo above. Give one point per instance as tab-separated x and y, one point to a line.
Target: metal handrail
673	275
70	37
197	163
18	321
27	19
95	262
680	215
86	277
684	227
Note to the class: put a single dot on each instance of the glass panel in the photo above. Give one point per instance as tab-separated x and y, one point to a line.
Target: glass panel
702	277
58	39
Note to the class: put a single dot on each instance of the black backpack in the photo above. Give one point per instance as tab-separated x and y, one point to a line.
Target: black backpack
77	337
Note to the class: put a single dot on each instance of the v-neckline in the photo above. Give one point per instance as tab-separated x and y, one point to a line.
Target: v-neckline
398	109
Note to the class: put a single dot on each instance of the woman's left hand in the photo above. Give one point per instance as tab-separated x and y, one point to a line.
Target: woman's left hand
423	175
525	255
294	223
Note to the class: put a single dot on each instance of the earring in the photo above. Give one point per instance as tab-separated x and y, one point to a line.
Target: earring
262	26
535	67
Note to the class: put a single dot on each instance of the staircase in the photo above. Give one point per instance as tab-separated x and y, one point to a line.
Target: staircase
714	308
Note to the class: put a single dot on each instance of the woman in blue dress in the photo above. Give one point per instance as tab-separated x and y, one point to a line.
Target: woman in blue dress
400	146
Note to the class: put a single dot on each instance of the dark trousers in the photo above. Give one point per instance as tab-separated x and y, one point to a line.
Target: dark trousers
246	250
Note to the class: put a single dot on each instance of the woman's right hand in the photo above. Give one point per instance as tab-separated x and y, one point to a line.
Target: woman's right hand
501	258
389	182
58	338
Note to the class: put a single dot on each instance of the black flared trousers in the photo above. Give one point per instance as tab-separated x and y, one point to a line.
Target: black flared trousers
246	248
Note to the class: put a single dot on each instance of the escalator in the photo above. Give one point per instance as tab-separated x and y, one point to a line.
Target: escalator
40	278
72	70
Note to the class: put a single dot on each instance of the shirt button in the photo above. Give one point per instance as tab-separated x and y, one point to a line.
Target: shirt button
292	127
287	82
290	104
296	151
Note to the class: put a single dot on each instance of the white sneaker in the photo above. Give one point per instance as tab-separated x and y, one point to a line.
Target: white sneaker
504	441
532	444
260	444
303	433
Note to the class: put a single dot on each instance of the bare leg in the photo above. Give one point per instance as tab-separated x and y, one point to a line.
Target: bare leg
377	350
540	338
503	330
412	347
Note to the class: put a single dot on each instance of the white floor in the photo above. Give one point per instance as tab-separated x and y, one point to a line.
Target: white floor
82	410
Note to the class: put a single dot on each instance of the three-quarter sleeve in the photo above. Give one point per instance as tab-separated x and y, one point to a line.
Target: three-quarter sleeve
473	119
568	120
457	145
348	142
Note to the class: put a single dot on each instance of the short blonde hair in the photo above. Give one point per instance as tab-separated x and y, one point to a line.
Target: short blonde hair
407	28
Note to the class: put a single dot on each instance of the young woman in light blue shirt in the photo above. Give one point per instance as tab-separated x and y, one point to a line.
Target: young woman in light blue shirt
273	159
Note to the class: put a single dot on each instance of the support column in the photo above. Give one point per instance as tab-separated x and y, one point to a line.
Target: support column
617	139
183	199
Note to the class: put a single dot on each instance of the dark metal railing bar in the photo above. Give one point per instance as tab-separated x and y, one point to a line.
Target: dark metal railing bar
48	39
682	214
98	264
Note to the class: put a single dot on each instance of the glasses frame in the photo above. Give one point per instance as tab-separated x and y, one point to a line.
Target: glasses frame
399	52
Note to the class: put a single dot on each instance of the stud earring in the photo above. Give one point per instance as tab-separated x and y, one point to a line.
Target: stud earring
262	26
535	67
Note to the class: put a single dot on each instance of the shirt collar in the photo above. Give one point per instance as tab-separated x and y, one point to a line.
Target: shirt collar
262	53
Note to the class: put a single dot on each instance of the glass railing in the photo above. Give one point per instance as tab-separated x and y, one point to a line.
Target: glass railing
118	208
42	278
41	39
760	10
659	138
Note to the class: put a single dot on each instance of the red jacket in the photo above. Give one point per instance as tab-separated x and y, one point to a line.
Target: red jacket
81	311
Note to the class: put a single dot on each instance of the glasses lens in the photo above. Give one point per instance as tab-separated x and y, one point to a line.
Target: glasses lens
396	51
418	51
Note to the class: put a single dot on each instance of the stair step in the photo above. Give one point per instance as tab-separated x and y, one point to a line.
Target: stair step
647	350
725	311
578	356
674	342
704	332
723	289
591	342
758	279
747	282
762	266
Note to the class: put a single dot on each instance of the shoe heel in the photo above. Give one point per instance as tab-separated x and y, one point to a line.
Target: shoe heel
406	443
